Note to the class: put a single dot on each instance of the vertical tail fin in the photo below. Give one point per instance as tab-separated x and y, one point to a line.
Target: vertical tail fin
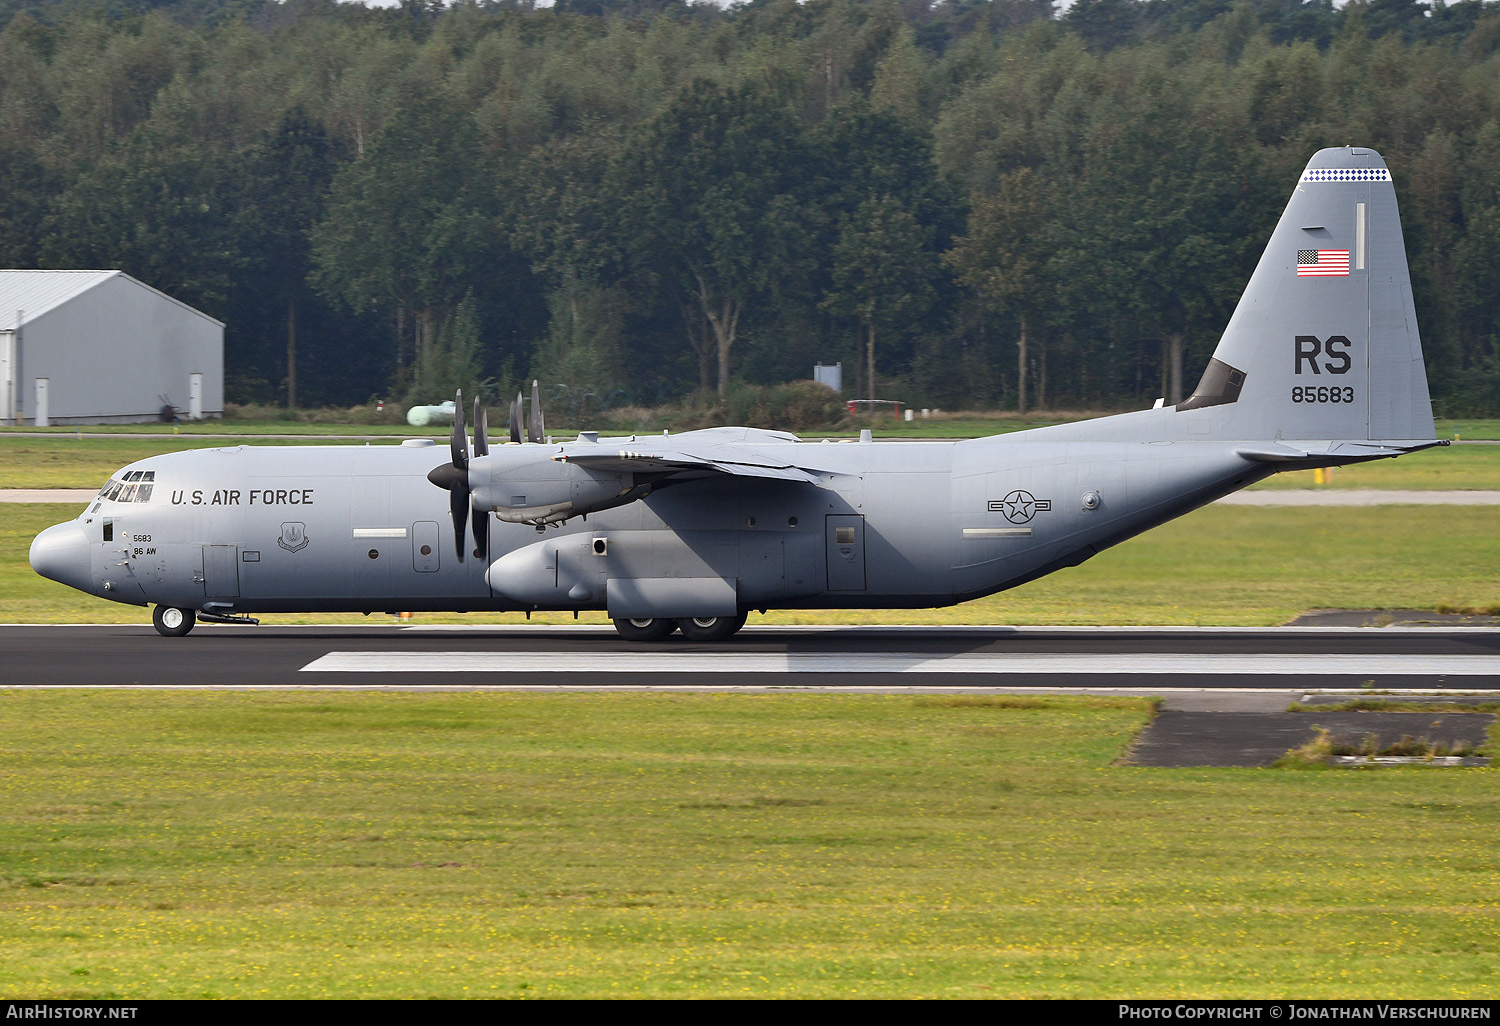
1323	344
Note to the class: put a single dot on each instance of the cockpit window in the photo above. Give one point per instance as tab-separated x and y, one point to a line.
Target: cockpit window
134	486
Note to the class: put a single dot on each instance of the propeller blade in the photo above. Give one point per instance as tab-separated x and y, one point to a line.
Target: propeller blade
458	493
515	417
458	501
480	523
457	442
535	430
481	430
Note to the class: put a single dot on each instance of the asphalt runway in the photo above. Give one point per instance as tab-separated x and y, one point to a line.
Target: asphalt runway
1278	660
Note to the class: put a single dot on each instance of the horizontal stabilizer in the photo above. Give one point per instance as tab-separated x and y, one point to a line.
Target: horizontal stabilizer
1331	453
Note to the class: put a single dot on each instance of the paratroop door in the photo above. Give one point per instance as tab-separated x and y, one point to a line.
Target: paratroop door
846	552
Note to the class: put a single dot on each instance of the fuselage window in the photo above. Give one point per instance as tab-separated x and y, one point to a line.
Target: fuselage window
144	495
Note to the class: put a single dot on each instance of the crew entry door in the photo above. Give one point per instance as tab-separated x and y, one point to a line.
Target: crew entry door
845	538
221	571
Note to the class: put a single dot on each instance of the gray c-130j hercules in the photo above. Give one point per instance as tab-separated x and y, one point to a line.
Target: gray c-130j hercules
1320	365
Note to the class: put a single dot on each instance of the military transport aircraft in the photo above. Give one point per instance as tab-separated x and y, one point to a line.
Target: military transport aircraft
1320	365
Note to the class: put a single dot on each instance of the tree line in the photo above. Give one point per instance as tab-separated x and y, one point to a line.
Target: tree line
967	203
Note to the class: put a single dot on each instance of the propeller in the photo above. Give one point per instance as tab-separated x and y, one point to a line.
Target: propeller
454	476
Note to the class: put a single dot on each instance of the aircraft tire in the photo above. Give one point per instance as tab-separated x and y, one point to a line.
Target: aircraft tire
645	630
173	621
711	628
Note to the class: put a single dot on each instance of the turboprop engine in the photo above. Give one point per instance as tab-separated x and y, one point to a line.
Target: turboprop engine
521	483
542	491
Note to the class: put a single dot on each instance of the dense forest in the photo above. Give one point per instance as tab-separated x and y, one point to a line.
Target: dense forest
986	202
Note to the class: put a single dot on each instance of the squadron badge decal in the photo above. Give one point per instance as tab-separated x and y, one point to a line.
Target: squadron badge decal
293	537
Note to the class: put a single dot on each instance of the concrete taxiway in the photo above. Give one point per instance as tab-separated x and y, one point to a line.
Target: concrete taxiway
1226	691
1281	659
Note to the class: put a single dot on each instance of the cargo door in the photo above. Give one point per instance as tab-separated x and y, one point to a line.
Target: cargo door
845	538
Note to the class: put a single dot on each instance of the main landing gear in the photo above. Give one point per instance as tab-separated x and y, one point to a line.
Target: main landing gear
172	621
698	628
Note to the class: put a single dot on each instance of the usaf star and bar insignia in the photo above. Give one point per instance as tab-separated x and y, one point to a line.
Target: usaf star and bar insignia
1020	506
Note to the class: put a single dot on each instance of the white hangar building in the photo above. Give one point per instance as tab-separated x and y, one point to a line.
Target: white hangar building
99	347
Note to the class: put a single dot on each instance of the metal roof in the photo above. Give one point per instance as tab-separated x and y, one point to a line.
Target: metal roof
29	294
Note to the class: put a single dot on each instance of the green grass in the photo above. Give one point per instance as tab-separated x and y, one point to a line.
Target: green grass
1223	565
945	425
375	845
69	462
66	461
1395	705
248	428
1463	467
1473	428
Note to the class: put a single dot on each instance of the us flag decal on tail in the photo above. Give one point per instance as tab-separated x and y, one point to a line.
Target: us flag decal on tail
1322	263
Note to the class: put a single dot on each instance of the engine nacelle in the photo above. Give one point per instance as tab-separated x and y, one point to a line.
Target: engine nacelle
545	491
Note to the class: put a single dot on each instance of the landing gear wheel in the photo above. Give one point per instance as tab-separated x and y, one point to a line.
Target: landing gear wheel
172	621
711	628
645	630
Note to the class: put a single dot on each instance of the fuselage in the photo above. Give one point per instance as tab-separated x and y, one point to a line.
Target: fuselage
253	529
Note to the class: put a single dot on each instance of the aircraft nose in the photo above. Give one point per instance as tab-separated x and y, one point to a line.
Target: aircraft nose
61	553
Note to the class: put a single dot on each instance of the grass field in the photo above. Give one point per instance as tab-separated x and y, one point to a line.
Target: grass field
1455	467
377	845
1231	565
69	462
942	425
297	845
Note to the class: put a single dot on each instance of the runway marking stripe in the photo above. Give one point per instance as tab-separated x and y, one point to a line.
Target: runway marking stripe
896	663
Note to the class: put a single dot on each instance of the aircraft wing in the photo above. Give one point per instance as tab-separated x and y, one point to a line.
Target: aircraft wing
669	461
